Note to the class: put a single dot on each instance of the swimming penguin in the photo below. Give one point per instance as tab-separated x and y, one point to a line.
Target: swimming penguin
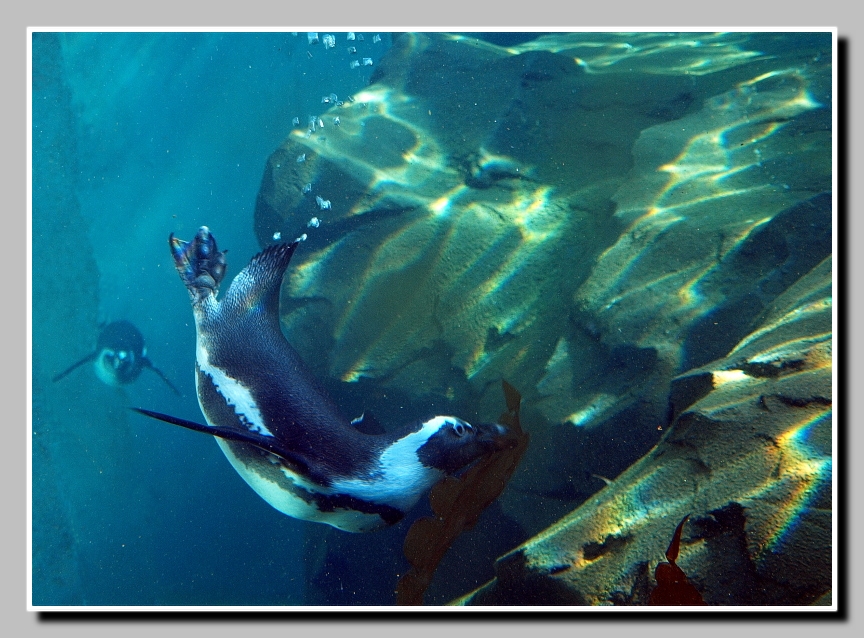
277	426
119	357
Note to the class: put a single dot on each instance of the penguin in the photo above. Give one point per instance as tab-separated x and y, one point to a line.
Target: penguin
276	425
119	357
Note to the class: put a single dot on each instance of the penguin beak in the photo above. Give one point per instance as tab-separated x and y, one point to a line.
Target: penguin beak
494	436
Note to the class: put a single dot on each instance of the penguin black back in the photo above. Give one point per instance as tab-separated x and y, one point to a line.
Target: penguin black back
278	428
244	346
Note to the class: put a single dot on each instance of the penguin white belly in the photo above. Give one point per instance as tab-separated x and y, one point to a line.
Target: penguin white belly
282	489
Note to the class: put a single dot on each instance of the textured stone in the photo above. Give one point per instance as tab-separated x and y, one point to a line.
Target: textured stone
586	215
750	461
542	213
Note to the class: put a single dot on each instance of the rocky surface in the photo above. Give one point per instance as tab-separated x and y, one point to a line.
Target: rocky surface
589	216
81	447
751	463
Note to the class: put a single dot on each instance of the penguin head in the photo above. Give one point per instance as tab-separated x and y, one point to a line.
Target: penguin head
414	462
117	367
455	443
120	353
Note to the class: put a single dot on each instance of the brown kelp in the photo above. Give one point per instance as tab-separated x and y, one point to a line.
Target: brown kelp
673	587
457	504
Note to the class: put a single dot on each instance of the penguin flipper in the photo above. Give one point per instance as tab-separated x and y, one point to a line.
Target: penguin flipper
90	357
368	424
266	443
162	376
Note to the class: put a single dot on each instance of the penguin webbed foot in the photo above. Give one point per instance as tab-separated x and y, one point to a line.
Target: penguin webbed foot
199	262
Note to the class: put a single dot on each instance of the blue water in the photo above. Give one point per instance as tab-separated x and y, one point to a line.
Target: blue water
139	135
160	133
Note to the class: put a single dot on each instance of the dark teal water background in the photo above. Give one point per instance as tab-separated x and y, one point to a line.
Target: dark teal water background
135	136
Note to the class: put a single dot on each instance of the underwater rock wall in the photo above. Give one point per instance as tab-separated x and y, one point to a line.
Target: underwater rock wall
457	183
525	214
82	449
585	215
751	463
57	229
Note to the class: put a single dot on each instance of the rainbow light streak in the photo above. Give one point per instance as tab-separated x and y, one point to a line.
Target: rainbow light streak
655	226
517	315
466	275
353	375
306	277
808	468
530	212
641	504
689	294
644	286
506	272
477	361
480	358
442	206
768	131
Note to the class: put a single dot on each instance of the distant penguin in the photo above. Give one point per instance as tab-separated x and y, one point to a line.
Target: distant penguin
119	357
279	429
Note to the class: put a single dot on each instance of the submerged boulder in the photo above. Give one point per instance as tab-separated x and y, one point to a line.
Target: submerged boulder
542	213
589	216
750	460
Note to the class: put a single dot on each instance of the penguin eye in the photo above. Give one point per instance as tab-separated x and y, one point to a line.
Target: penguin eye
461	429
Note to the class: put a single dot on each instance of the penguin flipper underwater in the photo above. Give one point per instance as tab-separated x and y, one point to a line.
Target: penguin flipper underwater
90	357
279	429
149	364
268	444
